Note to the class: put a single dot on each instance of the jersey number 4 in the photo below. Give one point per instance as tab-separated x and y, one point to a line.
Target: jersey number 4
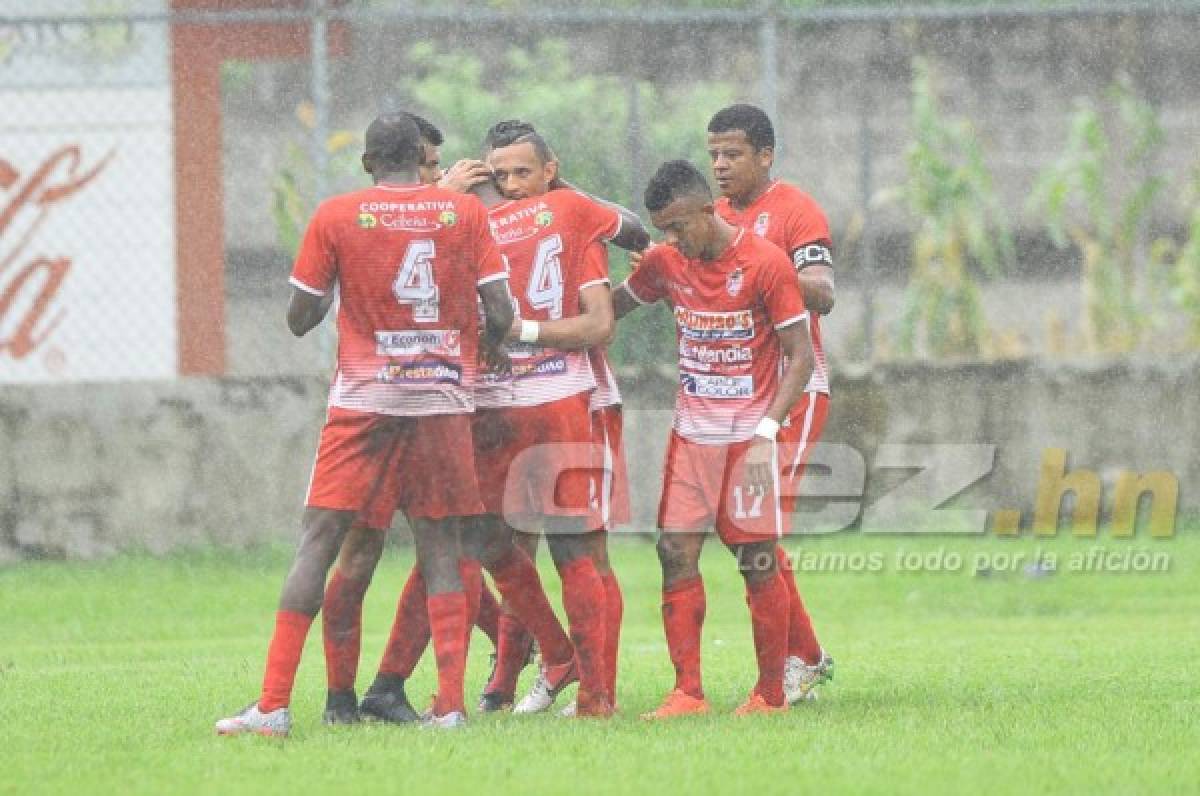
414	284
545	291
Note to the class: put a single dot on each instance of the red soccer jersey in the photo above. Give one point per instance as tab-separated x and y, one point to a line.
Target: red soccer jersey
726	314
607	393
406	259
544	241
793	221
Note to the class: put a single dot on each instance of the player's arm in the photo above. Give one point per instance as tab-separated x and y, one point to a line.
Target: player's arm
816	282
497	310
306	310
591	327
632	236
624	302
797	347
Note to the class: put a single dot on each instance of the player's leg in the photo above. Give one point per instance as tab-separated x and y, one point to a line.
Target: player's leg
303	591
500	436
489	540
691	480
514	646
615	511
579	558
750	521
341	617
438	557
766	595
386	699
807	665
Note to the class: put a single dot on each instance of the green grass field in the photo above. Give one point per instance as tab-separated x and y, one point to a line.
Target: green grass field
112	673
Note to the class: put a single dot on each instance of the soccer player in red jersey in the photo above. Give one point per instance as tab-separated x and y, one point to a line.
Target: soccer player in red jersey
741	146
533	430
408	260
362	547
739	312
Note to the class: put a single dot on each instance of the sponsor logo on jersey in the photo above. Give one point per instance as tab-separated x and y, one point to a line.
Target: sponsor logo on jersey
714	355
733	285
432	372
812	254
367	220
761	223
405	207
447	342
403	223
735	325
521	224
703	385
448	217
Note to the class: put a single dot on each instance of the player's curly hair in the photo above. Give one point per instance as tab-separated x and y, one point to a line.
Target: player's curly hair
515	131
751	120
673	180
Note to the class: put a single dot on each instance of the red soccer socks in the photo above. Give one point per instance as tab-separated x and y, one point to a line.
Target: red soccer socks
584	601
614	610
768	616
518	583
448	627
683	607
283	658
802	641
341	626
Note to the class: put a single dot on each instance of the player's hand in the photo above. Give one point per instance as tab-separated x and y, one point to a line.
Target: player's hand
464	175
758	465
635	258
493	358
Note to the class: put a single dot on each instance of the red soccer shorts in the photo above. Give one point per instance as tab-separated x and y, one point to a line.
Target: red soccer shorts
805	424
536	460
374	464
704	485
611	507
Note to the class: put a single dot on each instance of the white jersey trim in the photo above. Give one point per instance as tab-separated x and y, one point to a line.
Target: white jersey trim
633	294
792	321
603	281
296	283
493	278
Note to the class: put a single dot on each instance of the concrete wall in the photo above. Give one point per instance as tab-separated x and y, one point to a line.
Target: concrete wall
86	471
1016	77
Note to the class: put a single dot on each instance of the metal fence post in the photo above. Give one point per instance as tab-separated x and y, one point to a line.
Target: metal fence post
768	34
320	98
865	188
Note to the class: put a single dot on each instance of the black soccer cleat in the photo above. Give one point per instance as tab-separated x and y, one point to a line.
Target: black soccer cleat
493	702
386	701
341	707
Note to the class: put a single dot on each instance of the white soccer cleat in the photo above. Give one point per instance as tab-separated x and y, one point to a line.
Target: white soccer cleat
800	680
277	723
453	720
549	684
569	711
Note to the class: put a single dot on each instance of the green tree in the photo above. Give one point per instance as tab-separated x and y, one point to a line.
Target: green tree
586	118
959	223
1083	201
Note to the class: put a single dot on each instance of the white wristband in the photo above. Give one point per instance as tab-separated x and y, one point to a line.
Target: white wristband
767	428
529	331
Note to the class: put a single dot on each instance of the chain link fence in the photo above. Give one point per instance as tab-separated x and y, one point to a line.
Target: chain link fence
179	149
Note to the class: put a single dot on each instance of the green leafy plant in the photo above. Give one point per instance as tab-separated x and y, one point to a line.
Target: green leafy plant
1083	201
586	118
1185	270
959	224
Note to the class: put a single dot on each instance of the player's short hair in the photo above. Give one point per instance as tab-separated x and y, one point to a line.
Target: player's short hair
674	180
395	139
515	131
751	120
429	130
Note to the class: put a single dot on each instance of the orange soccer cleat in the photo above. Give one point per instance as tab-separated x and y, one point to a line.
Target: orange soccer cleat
756	704
678	703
